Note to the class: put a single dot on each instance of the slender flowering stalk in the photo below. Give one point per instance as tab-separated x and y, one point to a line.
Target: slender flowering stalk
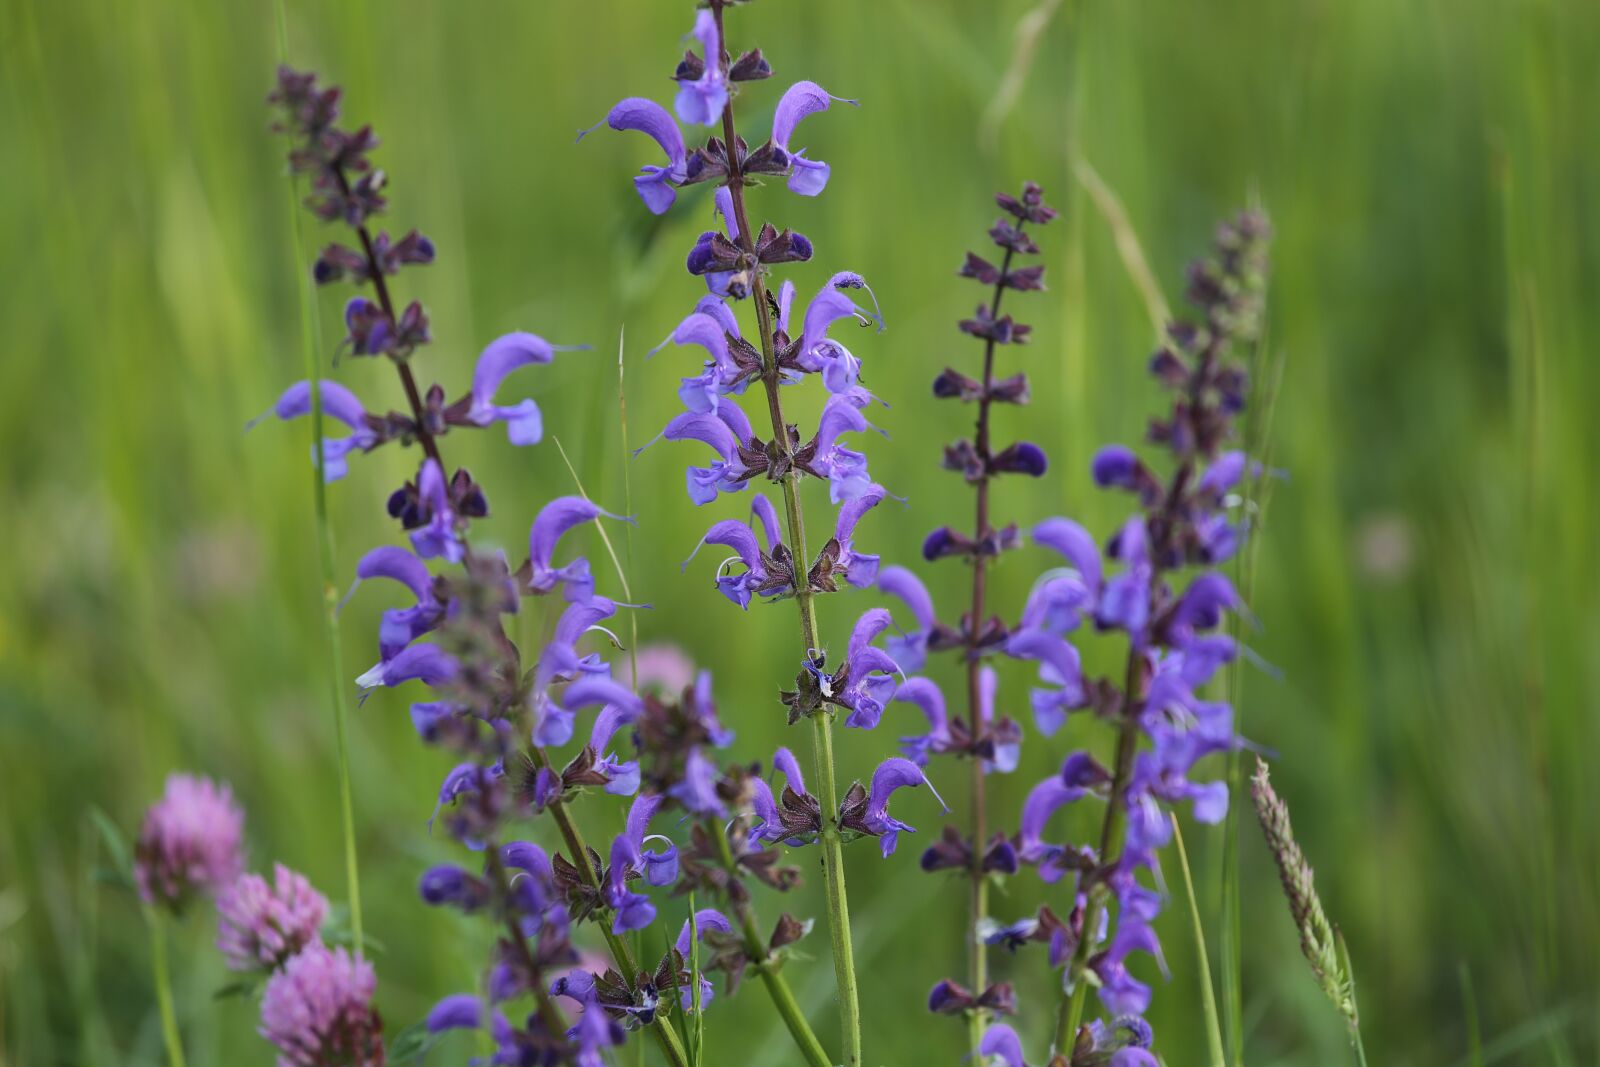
473	664
1174	647
789	345
1320	942
992	745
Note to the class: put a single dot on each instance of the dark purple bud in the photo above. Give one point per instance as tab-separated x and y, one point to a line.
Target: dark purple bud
785	247
1012	390
999	998
1001	857
1021	458
980	269
752	66
949	998
450	885
690	68
1002	331
1025	279
949	853
952	384
1168	369
1115	465
1030	207
946	542
1010	238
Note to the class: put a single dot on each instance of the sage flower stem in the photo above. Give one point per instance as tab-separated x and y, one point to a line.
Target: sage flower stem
978	966
788	1008
821	723
666	1034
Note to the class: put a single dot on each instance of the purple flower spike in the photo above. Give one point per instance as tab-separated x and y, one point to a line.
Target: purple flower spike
892	774
652	120
552	523
704	919
339	403
700	100
1002	1043
809	177
524	424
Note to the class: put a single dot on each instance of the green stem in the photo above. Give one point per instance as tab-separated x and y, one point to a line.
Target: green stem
163	982
309	331
666	1034
822	722
1208	999
755	948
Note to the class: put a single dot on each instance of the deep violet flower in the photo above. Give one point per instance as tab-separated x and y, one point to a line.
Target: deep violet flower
401	626
339	403
809	177
654	184
189	843
552	523
260	925
524	424
700	100
892	774
437	536
634	911
318	1010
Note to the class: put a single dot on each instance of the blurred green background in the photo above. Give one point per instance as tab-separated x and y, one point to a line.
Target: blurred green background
1427	585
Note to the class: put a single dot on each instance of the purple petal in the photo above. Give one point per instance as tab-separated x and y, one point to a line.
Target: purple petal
1000	1040
784	761
704	919
461	1011
391	561
337	401
1073	542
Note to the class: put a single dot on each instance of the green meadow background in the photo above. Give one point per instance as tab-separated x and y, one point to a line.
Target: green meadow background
1427	584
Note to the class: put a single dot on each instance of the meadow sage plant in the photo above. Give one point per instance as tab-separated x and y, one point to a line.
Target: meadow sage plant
1167	599
785	345
992	745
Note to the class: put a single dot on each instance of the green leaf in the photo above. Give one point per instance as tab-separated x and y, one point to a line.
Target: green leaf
412	1044
244	987
116	842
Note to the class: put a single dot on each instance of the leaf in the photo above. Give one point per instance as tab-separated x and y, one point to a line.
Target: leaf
244	987
412	1044
116	843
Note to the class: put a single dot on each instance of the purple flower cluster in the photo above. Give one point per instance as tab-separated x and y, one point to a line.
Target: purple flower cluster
318	1010
1158	585
190	844
992	742
790	345
501	718
262	924
317	1004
